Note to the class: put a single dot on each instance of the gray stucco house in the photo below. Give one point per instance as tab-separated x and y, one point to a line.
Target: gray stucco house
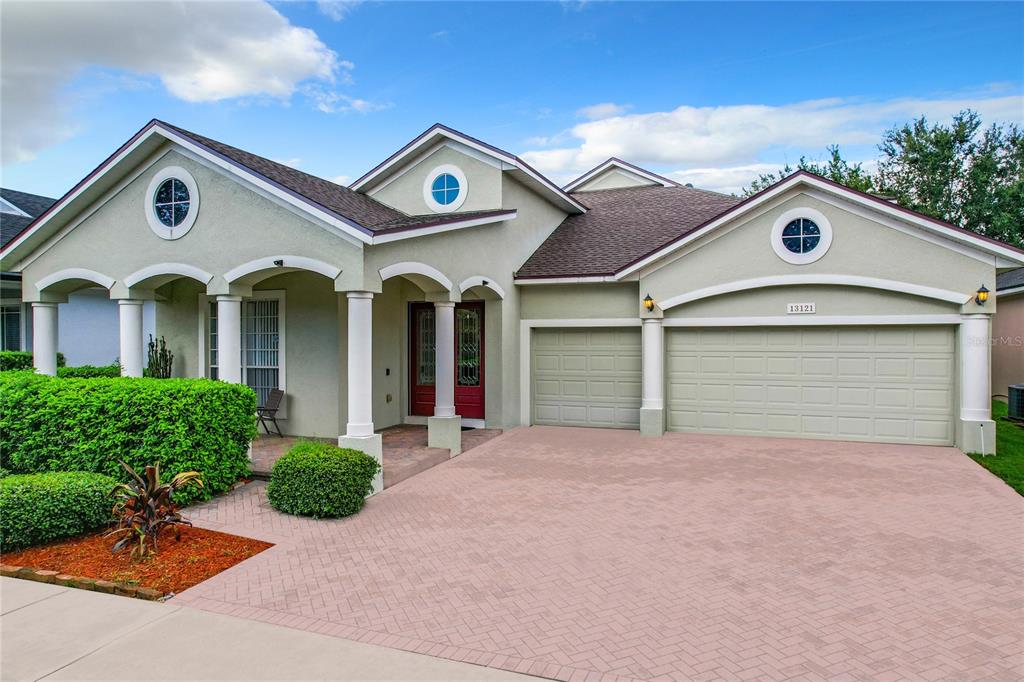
455	285
89	333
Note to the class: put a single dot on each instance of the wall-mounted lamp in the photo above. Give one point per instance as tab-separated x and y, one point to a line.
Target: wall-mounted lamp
648	303
982	295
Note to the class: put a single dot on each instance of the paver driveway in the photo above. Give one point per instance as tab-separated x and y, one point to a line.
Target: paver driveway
568	552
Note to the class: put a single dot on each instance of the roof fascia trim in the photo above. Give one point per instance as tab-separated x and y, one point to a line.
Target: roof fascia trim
411	232
614	162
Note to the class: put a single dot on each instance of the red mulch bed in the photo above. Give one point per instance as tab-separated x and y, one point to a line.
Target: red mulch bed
179	564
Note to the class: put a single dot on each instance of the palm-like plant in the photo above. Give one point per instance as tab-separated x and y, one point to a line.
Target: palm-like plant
145	507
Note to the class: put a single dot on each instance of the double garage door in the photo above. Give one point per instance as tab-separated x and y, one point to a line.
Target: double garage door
887	384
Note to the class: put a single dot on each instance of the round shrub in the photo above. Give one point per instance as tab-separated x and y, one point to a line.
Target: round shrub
321	480
37	508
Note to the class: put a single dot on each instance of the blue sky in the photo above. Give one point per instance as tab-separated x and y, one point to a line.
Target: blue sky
707	93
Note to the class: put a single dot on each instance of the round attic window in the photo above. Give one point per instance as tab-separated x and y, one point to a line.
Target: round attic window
445	188
801	236
172	202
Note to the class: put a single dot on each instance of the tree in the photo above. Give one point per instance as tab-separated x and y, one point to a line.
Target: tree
956	174
836	169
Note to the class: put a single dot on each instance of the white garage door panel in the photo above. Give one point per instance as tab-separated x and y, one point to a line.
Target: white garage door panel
884	384
586	377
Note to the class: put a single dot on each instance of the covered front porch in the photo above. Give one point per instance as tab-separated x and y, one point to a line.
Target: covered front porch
351	363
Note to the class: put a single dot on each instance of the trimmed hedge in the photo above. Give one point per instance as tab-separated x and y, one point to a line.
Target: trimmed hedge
38	508
50	424
321	480
11	360
89	372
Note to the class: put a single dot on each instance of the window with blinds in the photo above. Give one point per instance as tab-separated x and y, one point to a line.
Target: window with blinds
261	342
10	321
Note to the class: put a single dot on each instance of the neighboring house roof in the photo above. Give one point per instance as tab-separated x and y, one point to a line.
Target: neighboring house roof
1014	279
437	134
629	168
12	224
621	226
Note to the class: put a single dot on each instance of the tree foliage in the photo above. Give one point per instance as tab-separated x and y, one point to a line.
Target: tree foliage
960	173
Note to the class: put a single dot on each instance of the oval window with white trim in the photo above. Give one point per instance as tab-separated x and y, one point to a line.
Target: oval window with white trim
172	202
445	188
801	236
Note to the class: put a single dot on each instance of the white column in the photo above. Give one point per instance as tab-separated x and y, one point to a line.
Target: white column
360	365
130	313
44	338
229	339
444	359
975	378
653	387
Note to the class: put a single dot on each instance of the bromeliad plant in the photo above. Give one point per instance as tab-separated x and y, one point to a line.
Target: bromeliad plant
145	507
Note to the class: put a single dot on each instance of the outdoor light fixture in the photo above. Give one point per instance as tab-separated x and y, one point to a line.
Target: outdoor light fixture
982	295
648	303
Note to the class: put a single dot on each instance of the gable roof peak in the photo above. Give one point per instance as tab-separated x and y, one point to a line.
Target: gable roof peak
614	163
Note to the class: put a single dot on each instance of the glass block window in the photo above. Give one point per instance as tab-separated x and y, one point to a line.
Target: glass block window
426	341
10	320
469	333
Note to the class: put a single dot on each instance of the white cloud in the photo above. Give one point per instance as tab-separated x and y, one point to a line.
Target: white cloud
200	52
336	9
291	163
596	112
439	35
740	135
333	102
341	180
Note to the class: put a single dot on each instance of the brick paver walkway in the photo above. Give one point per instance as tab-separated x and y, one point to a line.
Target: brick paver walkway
405	450
580	554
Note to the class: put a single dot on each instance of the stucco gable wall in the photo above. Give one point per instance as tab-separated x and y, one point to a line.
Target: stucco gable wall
613	178
860	247
405	192
234	226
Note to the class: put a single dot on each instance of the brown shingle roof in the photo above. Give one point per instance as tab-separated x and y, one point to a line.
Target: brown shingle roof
620	226
337	199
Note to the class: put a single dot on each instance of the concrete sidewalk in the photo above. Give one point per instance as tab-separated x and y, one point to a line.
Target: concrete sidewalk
51	632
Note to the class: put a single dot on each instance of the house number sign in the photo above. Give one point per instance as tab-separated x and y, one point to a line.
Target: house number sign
800	308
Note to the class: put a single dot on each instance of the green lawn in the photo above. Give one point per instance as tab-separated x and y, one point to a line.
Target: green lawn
1009	463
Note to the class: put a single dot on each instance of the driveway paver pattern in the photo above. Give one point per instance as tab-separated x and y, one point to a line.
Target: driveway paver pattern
589	554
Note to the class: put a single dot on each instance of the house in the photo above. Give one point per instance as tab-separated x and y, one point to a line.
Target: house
88	335
1008	333
454	285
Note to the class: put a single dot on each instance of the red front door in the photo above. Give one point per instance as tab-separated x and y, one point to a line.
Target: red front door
469	359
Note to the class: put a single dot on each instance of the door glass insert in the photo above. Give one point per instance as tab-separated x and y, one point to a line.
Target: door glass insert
468	329
425	341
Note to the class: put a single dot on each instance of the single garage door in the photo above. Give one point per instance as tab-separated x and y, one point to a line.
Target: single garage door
887	384
586	377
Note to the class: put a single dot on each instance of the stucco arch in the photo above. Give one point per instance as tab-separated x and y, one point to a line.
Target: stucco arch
260	269
426	277
72	279
481	281
153	276
837	280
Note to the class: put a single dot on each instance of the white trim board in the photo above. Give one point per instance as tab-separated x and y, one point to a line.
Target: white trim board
1012	291
526	328
813	321
801	280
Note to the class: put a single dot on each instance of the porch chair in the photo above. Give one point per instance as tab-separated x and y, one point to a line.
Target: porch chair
269	411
